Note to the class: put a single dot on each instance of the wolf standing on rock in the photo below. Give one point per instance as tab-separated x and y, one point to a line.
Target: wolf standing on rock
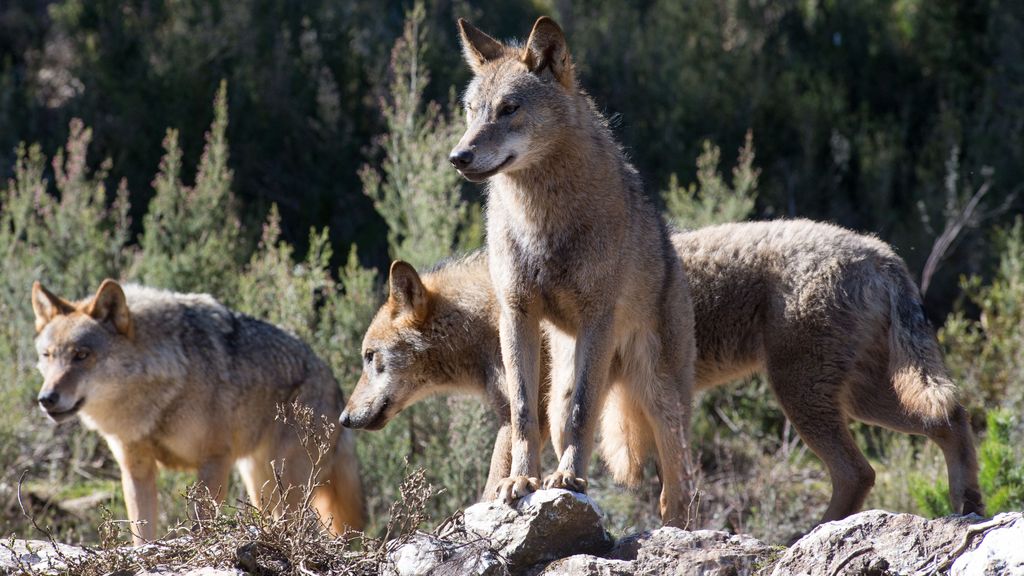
832	317
575	248
180	380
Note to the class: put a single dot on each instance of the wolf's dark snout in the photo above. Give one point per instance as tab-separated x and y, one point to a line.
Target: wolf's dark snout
461	158
345	419
49	399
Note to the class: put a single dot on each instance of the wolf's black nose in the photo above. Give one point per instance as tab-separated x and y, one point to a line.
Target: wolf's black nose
345	420
461	158
49	399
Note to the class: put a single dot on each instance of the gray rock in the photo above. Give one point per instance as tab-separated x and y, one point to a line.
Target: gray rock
671	551
425	554
194	572
587	565
1000	551
42	557
36	556
544	526
555	532
882	543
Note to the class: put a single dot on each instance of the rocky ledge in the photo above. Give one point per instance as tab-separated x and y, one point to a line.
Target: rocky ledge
555	532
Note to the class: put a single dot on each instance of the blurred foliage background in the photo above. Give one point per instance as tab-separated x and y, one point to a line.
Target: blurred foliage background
902	118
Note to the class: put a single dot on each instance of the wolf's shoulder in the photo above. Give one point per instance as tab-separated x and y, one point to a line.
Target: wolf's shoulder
147	299
200	319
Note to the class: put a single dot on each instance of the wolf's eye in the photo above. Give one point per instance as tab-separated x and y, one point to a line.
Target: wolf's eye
508	109
81	355
368	357
47	354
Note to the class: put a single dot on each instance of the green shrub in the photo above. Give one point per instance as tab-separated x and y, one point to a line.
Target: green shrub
931	496
66	227
276	288
192	239
1001	463
349	313
419	196
416	191
711	200
1000	474
71	236
987	355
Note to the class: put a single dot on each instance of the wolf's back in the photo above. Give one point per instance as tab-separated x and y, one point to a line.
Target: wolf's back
197	335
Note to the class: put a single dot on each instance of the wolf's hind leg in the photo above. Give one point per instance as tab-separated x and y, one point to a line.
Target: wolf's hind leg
562	368
875	402
297	475
809	394
957	443
626	437
339	497
212	478
258	477
274	473
667	413
659	371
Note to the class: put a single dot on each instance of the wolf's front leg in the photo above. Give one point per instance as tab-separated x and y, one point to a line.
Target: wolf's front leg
138	480
520	352
591	362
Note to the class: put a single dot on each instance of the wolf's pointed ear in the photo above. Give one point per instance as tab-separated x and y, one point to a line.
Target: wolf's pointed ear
47	306
408	293
478	48
547	50
109	304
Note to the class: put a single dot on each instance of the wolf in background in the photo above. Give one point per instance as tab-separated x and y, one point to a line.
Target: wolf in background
832	317
577	252
182	381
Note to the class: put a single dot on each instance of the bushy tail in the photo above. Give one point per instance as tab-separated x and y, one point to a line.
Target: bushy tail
341	498
626	437
915	363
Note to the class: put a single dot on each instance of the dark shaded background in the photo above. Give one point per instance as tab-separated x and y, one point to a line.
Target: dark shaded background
856	107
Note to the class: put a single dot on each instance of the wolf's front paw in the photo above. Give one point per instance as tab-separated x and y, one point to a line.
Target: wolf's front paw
511	489
566	481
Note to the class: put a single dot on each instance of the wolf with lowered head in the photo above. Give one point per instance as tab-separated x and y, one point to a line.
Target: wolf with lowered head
578	251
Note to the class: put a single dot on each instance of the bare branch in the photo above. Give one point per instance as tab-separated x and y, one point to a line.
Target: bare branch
954	227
